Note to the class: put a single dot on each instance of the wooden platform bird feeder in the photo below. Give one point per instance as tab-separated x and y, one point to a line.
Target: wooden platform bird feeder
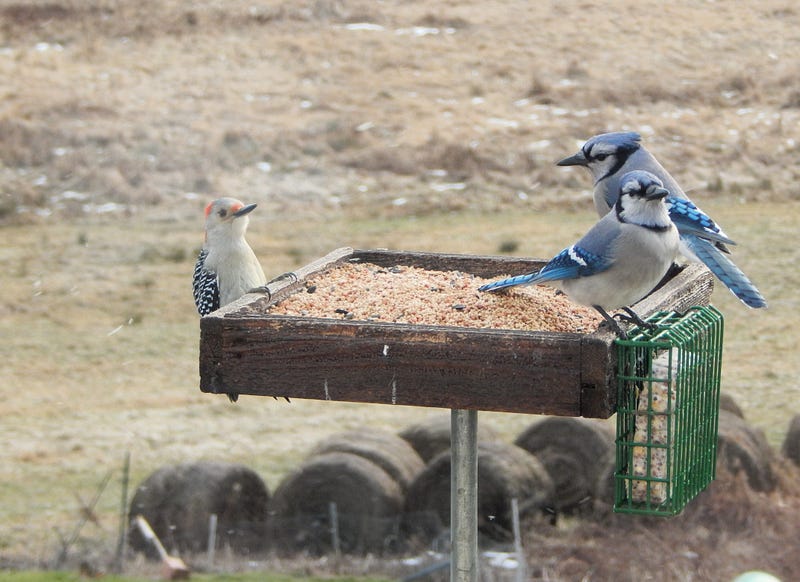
245	349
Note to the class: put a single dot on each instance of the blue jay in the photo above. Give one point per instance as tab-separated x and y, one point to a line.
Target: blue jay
609	156
622	257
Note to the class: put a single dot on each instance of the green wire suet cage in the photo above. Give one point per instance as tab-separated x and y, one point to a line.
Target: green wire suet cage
668	411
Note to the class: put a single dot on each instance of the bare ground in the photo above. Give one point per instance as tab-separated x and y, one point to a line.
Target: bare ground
392	124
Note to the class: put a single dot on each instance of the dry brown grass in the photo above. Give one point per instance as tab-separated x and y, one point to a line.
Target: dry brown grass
373	138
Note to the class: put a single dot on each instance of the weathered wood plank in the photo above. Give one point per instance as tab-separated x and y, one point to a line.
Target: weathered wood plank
247	351
398	364
692	286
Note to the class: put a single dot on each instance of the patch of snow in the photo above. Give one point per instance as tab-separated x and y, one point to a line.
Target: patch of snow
368	26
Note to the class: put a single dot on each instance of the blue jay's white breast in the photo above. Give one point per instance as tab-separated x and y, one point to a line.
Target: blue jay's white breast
642	258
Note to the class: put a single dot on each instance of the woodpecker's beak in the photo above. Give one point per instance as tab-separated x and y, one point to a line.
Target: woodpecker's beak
574	160
656	193
245	210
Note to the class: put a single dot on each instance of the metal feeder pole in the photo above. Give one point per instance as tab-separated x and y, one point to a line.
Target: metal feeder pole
464	496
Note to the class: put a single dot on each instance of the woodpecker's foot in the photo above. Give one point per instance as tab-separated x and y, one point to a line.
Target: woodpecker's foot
233	396
286	398
630	316
263	289
612	323
290	275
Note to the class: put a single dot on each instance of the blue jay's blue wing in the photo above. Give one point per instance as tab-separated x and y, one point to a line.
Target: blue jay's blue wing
725	270
689	219
571	263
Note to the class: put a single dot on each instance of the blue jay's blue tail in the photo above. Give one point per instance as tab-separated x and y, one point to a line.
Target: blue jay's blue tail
724	269
510	282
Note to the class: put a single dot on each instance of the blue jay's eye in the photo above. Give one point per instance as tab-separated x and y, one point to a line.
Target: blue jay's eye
601	157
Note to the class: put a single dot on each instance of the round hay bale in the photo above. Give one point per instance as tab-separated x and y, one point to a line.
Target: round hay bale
791	444
387	450
741	447
505	472
727	402
573	450
604	488
368	505
431	436
178	501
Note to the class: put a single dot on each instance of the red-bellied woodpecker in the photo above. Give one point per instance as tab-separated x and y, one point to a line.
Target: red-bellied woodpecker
227	267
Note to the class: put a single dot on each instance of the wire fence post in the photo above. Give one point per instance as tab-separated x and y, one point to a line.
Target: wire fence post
334	519
522	563
212	539
122	536
464	496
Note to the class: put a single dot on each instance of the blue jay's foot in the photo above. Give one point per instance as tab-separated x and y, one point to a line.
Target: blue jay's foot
612	323
630	316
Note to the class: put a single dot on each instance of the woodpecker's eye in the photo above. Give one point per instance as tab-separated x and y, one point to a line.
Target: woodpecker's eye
222	212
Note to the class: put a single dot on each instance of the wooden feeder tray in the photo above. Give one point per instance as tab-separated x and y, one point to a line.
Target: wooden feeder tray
246	350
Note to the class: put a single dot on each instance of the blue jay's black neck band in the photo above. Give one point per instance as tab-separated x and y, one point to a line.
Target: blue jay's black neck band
656	227
620	158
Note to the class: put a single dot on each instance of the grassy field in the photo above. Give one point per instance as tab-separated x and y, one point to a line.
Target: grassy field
394	124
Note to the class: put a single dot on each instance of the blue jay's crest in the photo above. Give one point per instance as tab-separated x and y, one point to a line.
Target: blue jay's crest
606	144
641	184
690	219
605	154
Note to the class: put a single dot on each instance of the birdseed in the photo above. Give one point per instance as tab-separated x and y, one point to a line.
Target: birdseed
416	296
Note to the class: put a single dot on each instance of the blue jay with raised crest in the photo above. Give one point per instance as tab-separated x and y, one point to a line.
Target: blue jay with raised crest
610	156
622	257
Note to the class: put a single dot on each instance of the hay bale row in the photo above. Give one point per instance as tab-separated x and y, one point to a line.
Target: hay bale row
384	491
178	501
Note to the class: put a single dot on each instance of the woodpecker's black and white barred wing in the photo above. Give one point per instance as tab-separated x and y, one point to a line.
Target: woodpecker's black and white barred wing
205	286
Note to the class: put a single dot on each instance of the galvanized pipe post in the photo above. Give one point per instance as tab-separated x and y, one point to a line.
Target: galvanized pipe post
464	496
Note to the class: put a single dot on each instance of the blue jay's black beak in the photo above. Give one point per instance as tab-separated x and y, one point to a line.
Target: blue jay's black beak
656	193
245	210
578	159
